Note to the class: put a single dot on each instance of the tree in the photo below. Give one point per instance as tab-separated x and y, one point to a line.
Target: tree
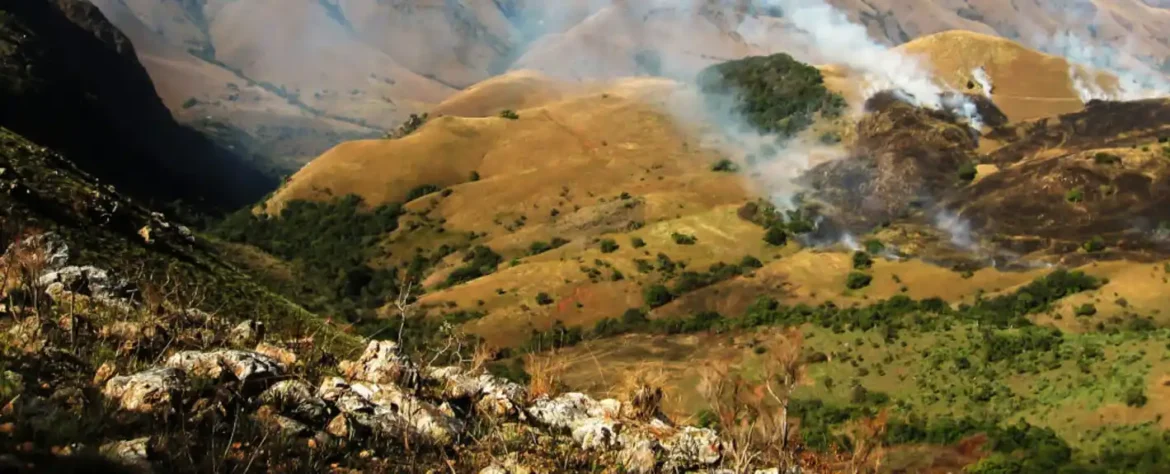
857	280
657	295
776	235
609	246
543	299
637	242
861	260
967	172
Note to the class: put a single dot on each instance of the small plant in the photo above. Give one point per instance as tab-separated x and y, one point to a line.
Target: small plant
190	103
657	295
861	260
874	246
637	242
509	114
725	165
749	261
1076	194
474	176
1106	159
543	299
1136	397
609	246
967	172
857	280
420	191
830	138
683	239
1086	309
776	235
1095	244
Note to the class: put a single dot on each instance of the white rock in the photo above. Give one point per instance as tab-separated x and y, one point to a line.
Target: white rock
381	363
387	409
297	400
85	280
247	333
562	411
133	453
596	433
638	455
246	366
693	447
152	391
492	395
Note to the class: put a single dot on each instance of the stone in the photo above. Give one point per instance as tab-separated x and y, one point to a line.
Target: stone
639	455
104	373
562	411
596	433
133	453
153	391
247	333
381	362
86	280
492	395
389	410
271	418
691	447
296	399
245	366
280	354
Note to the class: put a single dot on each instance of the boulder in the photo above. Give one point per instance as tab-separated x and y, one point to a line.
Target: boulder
296	399
245	366
692	447
247	333
382	362
389	410
286	357
563	411
153	391
492	395
86	280
596	433
134	453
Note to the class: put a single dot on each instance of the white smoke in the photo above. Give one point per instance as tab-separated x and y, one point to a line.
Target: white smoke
959	230
837	40
1135	80
983	79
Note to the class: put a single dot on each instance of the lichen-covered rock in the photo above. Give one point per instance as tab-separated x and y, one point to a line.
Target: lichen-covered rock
27	335
564	410
639	455
389	410
509	465
85	280
296	399
246	366
104	373
492	395
153	391
382	362
596	433
134	453
692	447
247	333
286	357
135	336
269	416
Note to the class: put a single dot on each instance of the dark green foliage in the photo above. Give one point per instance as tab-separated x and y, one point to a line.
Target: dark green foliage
1095	244
609	246
1106	159
1086	309
857	280
1136	396
474	176
874	246
553	338
539	247
749	261
777	94
830	138
967	172
683	239
725	165
191	102
637	242
657	295
1006	344
776	235
861	260
1076	194
421	191
509	114
543	299
329	244
479	261
511	370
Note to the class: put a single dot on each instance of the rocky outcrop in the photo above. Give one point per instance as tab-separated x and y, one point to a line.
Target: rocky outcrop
154	391
244	366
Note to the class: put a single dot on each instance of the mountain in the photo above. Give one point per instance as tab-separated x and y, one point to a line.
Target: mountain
72	81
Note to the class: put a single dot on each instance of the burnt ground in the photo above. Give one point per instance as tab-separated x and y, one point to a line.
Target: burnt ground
1062	182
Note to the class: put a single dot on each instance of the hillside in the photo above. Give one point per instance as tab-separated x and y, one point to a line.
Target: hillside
71	81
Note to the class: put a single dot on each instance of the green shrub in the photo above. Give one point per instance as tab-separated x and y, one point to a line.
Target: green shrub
474	176
683	239
657	295
777	94
1095	244
1087	309
543	299
967	172
776	235
609	246
509	114
1136	397
637	242
1076	194
1106	159
874	246
861	260
725	165
749	261
857	280
421	191
478	262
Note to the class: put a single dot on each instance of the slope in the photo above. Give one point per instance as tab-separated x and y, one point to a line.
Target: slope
72	82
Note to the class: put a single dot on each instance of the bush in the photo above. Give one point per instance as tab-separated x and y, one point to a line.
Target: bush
543	299
967	172
421	191
1086	309
1076	194
1095	244
777	94
874	246
861	260
857	280
478	262
609	246
776	235
657	295
749	261
1106	159
474	176
683	239
509	114
1136	397
725	165
637	242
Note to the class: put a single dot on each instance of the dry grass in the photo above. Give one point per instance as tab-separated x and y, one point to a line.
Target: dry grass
545	375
